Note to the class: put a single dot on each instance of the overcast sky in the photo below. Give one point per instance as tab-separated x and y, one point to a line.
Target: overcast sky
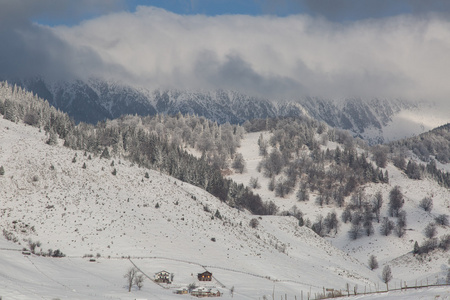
278	49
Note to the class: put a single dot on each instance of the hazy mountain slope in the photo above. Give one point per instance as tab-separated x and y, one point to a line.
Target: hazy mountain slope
377	120
49	197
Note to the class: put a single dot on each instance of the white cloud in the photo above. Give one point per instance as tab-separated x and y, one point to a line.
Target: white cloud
277	57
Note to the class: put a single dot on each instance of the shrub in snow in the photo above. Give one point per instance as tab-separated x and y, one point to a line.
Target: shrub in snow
254	223
444	244
430	231
373	263
253	183
426	204
442	220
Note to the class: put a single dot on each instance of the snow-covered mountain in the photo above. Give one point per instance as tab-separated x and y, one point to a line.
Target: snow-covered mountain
376	120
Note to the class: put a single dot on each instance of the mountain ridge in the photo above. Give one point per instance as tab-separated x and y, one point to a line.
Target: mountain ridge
95	100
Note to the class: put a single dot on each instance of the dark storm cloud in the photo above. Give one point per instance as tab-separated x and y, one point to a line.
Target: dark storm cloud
29	49
357	9
237	74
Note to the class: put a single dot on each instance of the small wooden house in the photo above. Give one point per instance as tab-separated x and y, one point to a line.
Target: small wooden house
200	292
162	277
205	276
205	292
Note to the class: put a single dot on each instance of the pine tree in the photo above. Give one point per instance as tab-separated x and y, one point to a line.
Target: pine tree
105	154
416	249
52	137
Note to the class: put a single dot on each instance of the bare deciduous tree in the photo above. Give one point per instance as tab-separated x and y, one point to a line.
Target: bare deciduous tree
386	275
373	263
139	280
129	276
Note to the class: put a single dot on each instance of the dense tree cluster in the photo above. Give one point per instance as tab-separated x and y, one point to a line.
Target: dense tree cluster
293	155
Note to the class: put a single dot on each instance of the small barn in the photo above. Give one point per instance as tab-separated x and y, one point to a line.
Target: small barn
182	291
205	276
162	277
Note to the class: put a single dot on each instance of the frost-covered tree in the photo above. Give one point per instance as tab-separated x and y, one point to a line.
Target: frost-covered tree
377	203
253	183
273	164
346	215
239	163
413	170
52	137
354	231
302	193
401	224
367	220
331	222
386	226
262	146
105	153
430	231
318	227
380	156
395	201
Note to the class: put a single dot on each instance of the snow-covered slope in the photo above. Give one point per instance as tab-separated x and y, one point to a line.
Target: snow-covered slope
159	222
389	250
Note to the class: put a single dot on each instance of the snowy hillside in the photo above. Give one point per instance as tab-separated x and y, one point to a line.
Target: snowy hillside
161	223
389	250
